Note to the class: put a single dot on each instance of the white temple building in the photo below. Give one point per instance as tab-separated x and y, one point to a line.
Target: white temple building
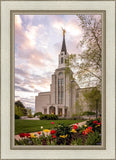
62	96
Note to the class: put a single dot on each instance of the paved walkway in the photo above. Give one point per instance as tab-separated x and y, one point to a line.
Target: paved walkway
36	133
82	123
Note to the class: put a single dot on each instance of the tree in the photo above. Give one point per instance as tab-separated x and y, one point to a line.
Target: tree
20	109
93	99
29	113
88	64
78	109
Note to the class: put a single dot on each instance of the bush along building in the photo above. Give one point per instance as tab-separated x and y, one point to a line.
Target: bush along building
65	96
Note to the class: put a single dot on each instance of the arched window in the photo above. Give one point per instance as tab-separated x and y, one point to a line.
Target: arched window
60	74
61	60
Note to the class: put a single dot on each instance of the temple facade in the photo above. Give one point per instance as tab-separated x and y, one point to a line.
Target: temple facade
64	92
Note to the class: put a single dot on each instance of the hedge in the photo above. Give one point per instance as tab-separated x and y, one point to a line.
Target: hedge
37	114
48	117
89	113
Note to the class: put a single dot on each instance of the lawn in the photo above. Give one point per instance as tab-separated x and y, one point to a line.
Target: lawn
26	126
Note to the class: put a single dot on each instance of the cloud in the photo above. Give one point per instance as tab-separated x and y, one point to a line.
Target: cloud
21	72
18	22
38	40
32	33
71	26
28	102
26	46
18	88
31	82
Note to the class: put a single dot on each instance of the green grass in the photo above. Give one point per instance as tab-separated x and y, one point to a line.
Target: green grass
26	126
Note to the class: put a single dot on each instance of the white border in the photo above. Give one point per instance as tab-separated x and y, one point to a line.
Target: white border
109	153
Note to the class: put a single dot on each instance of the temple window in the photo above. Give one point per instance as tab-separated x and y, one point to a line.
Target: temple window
60	91
61	60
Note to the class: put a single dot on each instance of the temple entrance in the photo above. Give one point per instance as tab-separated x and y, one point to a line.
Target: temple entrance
52	110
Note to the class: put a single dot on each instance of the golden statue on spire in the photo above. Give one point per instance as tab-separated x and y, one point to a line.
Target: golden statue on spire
63	31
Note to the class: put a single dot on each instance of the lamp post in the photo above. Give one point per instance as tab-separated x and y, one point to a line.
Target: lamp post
96	108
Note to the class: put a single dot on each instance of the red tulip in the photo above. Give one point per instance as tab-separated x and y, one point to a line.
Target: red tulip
54	136
89	127
39	132
84	133
22	134
99	123
27	135
53	132
94	122
52	122
75	126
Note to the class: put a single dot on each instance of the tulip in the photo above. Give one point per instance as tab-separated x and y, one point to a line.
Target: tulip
54	136
89	127
39	132
52	122
75	126
94	122
53	132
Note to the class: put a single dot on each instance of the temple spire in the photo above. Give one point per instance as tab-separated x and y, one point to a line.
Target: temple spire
63	49
63	32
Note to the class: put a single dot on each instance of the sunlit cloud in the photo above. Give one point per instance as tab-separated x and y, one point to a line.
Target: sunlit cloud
58	25
73	29
38	41
18	21
32	34
70	27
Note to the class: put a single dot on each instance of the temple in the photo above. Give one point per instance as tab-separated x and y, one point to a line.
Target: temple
64	91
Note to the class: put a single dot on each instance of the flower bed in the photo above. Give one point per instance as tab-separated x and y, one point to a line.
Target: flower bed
88	134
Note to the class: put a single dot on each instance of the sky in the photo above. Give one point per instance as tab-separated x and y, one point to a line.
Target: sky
38	41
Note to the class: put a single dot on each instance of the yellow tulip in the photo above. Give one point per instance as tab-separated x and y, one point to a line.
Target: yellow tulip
63	136
46	130
33	136
73	131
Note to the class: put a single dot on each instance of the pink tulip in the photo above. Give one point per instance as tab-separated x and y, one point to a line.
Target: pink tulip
52	122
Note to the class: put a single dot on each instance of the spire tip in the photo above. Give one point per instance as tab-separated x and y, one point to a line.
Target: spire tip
63	31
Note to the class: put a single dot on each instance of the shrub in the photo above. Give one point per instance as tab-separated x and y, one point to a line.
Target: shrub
48	117
93	138
38	114
89	113
17	117
30	116
76	142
